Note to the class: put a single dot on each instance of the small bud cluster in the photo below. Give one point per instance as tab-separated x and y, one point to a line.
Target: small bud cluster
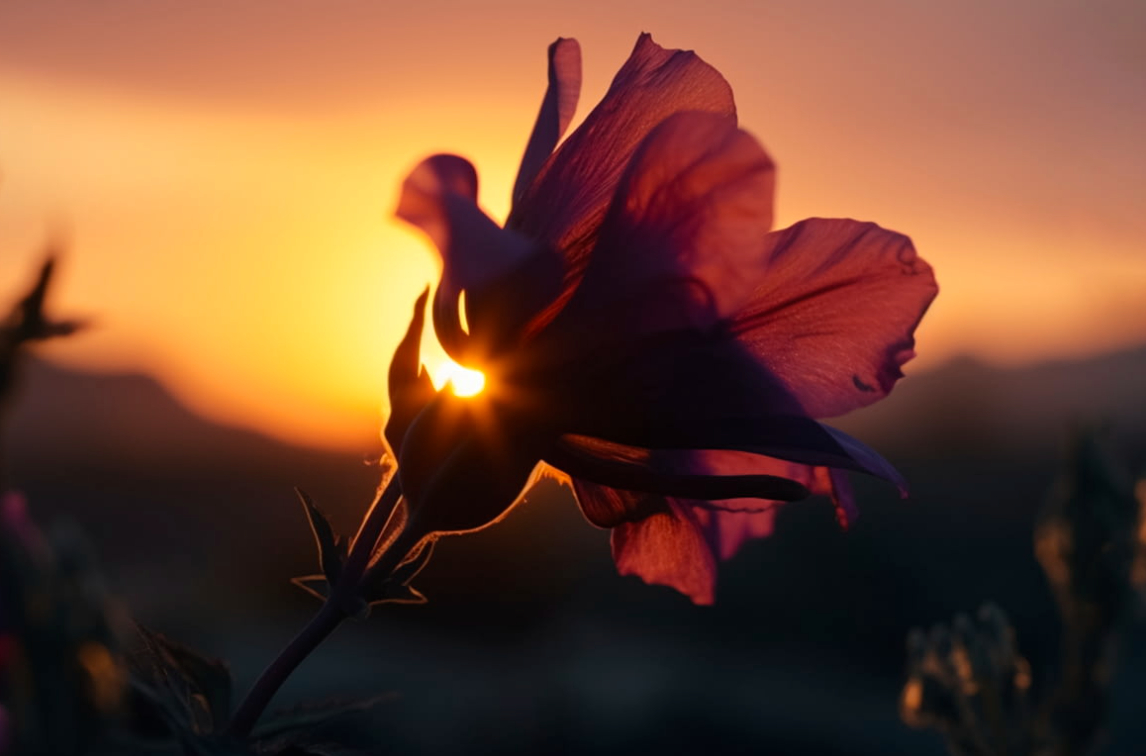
969	681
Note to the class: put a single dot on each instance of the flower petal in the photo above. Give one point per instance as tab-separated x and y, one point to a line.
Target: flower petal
659	378
609	498
725	528
440	197
790	438
409	385
608	507
557	110
682	246
725	532
678	542
428	191
668	548
632	469
818	479
835	318
686	392
566	203
729	533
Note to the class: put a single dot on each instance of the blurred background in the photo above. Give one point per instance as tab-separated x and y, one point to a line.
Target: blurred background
223	178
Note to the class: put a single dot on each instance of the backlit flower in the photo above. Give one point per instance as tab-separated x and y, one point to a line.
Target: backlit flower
643	331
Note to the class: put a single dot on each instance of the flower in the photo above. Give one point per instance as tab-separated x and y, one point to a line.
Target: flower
643	331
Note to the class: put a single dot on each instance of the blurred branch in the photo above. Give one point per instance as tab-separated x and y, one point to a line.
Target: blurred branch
969	681
27	322
1088	541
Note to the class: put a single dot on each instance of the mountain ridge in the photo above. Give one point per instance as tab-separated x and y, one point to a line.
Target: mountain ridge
967	407
962	407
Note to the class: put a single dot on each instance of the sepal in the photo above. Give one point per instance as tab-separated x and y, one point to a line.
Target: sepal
315	585
395	588
331	548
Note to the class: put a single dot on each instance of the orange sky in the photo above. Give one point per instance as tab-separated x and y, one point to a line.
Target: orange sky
225	172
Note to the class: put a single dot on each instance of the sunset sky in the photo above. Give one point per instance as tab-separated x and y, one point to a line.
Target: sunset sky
224	174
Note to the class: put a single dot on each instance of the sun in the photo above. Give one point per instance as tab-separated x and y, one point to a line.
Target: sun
465	382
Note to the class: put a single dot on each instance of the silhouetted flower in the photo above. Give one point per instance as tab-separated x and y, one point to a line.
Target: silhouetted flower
643	332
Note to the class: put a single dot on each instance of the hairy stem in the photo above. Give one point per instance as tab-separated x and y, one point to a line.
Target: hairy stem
334	610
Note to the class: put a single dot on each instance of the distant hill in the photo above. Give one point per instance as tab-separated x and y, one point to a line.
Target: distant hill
130	419
964	407
969	409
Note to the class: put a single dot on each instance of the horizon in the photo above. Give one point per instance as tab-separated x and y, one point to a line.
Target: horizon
370	435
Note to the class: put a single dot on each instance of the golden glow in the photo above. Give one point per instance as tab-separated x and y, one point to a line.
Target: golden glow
105	677
232	235
912	698
462	381
1022	673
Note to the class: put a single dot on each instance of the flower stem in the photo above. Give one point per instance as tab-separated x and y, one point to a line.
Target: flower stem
342	594
321	625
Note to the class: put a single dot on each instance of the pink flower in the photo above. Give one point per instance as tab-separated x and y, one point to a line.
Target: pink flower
644	331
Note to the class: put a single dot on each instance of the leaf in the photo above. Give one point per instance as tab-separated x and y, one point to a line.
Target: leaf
156	725
335	728
329	557
191	689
